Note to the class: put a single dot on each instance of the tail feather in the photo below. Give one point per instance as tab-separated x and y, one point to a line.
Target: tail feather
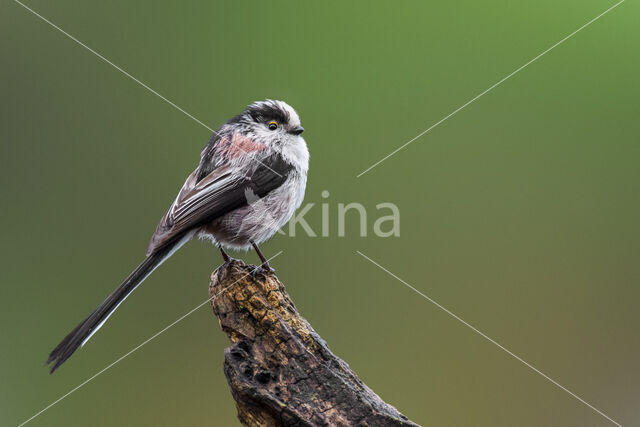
81	333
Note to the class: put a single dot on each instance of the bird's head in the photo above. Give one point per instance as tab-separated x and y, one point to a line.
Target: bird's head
270	122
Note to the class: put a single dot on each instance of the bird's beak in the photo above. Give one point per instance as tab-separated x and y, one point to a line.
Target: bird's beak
297	130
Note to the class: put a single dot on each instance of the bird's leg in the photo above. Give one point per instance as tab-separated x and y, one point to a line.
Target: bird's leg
265	262
225	256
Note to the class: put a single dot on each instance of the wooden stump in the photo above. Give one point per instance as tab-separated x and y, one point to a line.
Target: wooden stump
280	371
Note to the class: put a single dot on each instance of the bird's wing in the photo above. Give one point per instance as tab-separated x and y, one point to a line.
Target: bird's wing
220	192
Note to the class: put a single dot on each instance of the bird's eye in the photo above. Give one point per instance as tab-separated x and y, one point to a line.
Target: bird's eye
273	125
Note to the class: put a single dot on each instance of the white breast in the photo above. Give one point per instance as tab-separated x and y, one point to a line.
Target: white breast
263	217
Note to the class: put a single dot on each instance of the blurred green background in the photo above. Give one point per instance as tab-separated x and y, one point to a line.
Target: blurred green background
520	213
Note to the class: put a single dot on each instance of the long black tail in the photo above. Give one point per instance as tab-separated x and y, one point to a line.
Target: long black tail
81	333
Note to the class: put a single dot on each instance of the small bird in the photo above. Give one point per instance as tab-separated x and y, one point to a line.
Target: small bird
250	180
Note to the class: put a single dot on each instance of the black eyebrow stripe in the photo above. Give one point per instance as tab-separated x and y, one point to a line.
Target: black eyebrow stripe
267	112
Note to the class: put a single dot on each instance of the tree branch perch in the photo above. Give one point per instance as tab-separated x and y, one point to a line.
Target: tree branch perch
280	371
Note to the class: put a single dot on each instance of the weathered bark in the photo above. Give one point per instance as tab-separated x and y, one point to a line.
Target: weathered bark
280	371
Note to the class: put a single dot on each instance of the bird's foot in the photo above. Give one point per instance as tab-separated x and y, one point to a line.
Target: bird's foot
267	268
225	257
265	262
263	268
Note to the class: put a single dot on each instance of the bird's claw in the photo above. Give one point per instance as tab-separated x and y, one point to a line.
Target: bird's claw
267	268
